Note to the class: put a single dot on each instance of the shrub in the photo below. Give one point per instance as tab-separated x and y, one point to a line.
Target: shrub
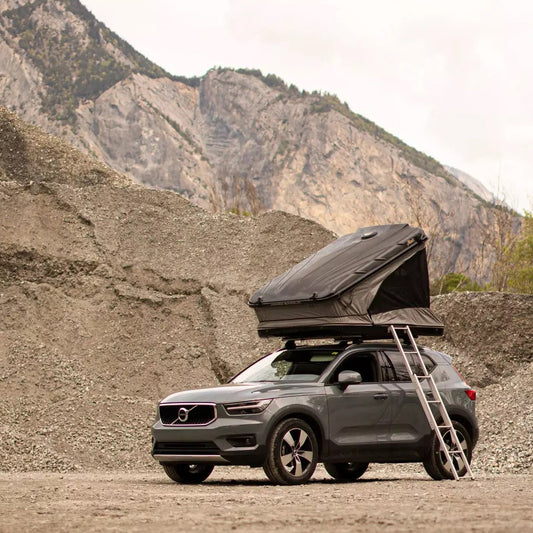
454	282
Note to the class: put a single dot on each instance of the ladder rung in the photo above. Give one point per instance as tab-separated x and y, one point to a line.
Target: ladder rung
434	401
445	427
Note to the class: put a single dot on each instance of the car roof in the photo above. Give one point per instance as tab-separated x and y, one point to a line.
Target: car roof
364	346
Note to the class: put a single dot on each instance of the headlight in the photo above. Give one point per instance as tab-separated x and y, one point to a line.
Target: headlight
247	408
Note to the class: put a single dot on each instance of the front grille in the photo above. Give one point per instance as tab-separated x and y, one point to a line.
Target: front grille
186	448
187	414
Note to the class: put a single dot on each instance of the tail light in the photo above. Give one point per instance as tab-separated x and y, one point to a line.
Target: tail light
471	393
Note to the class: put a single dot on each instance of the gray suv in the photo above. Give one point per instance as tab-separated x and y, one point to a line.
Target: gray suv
345	405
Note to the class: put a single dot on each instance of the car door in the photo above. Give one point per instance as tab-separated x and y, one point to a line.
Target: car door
408	424
359	415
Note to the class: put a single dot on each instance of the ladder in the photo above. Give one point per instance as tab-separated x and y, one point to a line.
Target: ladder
456	450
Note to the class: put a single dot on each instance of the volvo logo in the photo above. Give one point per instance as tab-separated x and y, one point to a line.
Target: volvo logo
183	414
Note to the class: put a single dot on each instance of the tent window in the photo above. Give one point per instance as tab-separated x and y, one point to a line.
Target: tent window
407	286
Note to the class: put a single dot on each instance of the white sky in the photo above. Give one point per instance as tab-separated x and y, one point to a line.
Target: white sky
453	79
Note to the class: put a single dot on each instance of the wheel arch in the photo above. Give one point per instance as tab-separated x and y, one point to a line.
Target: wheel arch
465	421
310	419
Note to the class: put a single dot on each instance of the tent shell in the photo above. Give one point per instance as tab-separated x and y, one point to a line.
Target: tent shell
356	287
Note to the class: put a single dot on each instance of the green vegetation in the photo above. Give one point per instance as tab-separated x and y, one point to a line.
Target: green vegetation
454	282
521	259
74	66
512	266
270	79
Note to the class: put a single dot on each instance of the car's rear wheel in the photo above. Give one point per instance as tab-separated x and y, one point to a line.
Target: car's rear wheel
436	463
346	471
190	474
292	453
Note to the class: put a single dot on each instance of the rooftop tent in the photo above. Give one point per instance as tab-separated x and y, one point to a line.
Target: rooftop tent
355	287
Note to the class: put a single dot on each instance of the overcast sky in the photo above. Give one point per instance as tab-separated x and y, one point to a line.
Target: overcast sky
453	79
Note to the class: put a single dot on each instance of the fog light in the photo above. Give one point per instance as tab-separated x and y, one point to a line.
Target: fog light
242	441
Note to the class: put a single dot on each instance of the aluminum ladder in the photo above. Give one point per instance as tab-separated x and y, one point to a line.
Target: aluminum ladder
418	381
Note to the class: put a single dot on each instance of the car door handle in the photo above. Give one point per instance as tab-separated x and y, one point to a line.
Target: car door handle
380	396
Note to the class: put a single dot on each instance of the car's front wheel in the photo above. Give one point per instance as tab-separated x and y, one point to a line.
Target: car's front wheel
292	453
346	471
436	464
190	474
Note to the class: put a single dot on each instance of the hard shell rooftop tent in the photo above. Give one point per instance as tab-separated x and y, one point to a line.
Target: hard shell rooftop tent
356	286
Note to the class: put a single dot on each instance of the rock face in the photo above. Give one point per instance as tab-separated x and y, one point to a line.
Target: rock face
473	184
230	140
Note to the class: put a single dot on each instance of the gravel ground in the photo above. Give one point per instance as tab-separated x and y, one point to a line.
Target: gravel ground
240	499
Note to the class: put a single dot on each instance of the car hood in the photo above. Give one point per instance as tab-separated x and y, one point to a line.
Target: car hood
241	392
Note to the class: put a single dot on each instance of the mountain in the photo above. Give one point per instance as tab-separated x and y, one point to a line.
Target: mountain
231	140
472	183
114	295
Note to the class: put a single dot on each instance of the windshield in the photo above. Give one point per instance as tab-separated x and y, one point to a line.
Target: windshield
289	365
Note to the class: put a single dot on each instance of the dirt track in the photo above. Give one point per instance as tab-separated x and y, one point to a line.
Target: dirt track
397	498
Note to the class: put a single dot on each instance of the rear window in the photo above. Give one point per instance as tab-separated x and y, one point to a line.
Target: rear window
393	366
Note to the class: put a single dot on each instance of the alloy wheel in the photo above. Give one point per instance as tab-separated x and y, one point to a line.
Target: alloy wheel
458	462
296	452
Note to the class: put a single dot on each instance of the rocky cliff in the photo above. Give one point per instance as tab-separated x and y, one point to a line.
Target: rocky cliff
232	140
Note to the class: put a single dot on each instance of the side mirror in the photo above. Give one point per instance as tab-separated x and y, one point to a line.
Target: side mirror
349	377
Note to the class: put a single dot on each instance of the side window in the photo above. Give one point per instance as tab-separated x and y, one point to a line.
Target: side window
400	370
364	363
430	365
387	370
398	364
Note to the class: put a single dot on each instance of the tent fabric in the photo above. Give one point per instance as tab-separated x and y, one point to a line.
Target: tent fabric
356	286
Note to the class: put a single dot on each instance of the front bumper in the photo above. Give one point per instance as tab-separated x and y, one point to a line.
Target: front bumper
237	440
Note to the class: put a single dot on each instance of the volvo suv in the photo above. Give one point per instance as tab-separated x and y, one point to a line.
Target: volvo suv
345	405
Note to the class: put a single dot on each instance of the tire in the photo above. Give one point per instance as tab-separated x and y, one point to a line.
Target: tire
346	471
188	474
292	453
436	464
